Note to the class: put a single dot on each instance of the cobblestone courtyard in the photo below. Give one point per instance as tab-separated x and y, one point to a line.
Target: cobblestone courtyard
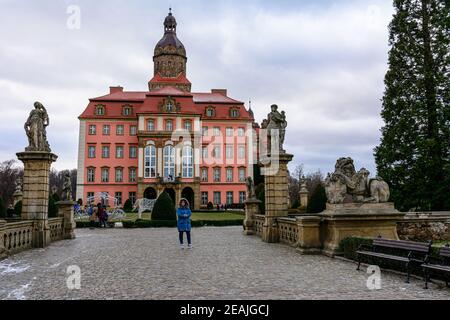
148	264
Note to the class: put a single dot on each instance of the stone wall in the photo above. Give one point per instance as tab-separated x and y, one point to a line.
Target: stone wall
422	226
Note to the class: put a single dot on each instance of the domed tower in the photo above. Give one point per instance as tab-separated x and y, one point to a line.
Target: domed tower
170	59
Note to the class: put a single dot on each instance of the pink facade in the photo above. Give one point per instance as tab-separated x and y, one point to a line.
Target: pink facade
136	145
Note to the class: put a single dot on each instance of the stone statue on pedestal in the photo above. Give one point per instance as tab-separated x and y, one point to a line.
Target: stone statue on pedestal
347	185
251	194
67	188
275	124
35	128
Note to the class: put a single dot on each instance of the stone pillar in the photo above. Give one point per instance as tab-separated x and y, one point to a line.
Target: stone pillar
251	208
309	235
276	193
66	211
36	193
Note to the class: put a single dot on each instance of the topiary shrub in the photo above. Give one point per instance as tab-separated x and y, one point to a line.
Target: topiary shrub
18	208
164	208
261	196
52	208
127	206
296	204
2	209
318	201
56	197
349	246
210	206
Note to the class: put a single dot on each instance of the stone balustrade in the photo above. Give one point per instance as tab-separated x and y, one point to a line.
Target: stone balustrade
258	224
56	226
425	226
288	231
15	237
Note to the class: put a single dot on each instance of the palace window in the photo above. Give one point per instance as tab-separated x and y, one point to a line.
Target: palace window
230	197
204	174
119	152
188	162
150	162
217	152
229	132
105	152
106	129
242	174
241	152
242	196
105	175
216	174
151	125
216	132
127	111
132	197
205	131
241	132
210	112
205	152
100	110
91	175
217	197
132	175
204	198
92	129
188	125
118	196
133	152
91	152
234	113
119	174
120	131
169	125
133	130
229	174
169	162
90	196
229	151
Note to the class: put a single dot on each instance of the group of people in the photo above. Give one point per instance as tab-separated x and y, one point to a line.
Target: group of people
97	214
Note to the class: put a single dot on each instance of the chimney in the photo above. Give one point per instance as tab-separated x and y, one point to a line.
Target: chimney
223	92
115	89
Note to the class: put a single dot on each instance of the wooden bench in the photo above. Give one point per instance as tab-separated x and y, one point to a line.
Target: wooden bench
408	253
440	265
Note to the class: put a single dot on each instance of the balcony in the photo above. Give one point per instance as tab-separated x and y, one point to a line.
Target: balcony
168	180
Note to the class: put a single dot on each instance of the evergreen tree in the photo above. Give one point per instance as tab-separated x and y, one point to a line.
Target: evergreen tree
52	208
414	154
318	201
128	206
164	209
2	209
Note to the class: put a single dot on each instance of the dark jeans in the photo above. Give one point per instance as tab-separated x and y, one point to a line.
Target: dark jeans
188	234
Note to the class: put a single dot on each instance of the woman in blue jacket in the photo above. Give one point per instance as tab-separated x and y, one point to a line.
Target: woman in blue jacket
184	222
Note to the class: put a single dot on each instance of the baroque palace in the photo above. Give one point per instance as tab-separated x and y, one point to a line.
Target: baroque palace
198	146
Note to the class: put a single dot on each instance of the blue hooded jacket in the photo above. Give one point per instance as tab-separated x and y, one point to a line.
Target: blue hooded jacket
184	218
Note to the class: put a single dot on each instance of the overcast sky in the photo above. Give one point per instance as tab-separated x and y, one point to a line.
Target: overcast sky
323	62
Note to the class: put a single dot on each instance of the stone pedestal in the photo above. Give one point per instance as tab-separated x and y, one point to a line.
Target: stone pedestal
368	220
309	235
276	193
251	208
36	192
66	211
303	196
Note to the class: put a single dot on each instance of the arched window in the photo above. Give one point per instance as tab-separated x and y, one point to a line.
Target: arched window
188	162
150	162
169	162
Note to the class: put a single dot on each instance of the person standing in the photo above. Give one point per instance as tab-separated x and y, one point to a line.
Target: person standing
184	223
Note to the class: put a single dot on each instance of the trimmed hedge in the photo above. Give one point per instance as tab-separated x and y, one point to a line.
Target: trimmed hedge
348	246
164	209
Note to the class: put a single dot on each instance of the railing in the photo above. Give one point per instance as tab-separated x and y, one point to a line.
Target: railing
17	236
56	226
258	224
288	231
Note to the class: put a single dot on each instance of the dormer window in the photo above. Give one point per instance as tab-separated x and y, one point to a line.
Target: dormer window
234	113
210	112
127	111
100	110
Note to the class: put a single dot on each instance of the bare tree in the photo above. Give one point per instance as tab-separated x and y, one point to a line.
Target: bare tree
9	174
